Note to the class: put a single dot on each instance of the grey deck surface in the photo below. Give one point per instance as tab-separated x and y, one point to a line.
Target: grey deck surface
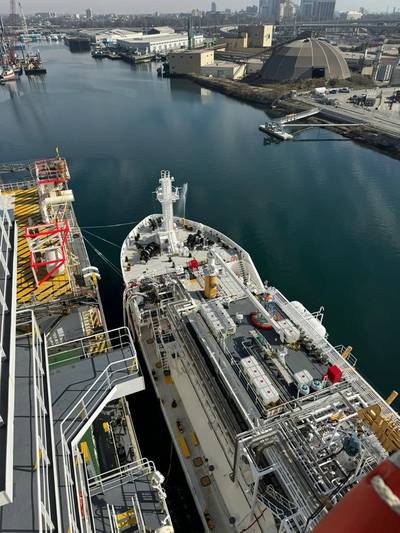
296	360
68	385
4	366
21	515
121	498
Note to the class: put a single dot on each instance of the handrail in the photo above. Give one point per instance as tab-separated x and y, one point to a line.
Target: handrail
6	247
118	338
125	470
87	406
120	476
21	184
43	459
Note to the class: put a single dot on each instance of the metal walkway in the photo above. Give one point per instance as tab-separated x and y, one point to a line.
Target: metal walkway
298	116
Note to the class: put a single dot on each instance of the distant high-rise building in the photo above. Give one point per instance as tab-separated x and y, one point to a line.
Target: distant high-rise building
213	7
287	10
251	10
324	9
89	13
317	9
269	10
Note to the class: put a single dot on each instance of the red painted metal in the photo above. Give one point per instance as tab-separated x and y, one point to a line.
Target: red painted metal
35	232
54	170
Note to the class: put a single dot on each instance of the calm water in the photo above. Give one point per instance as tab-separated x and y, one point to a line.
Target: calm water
320	217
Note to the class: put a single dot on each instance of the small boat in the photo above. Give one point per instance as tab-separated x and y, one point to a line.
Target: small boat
273	129
34	66
7	74
98	52
110	54
35	69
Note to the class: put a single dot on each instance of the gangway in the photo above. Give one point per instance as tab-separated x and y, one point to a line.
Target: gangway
327	125
298	116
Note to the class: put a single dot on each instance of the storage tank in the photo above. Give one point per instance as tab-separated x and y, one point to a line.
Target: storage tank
210	287
54	255
314	322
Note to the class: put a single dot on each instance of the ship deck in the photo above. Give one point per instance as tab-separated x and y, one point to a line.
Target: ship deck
164	263
206	472
27	213
70	374
276	409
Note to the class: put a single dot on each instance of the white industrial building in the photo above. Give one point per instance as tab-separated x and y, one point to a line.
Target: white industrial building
158	43
111	36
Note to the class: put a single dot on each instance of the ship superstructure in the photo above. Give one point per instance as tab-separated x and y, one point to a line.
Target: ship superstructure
272	423
69	456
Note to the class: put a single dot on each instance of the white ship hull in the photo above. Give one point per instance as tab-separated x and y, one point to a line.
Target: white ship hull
252	392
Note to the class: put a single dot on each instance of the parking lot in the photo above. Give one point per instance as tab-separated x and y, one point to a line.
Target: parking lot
382	114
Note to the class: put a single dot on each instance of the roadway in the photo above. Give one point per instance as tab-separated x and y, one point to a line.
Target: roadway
380	116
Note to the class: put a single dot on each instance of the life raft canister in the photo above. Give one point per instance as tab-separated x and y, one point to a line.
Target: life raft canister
373	505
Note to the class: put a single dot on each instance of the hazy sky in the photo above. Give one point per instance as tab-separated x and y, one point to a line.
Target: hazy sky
164	6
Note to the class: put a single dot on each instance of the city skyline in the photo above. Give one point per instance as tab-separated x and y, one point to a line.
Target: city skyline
173	6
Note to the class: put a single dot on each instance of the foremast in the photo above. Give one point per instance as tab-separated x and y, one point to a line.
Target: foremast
167	195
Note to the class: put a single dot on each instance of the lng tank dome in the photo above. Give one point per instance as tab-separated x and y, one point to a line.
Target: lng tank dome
303	59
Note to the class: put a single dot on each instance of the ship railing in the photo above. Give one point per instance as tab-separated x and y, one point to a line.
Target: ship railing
112	519
17	185
276	510
43	424
137	514
307	328
90	346
288	479
294	524
286	504
104	482
81	416
7	247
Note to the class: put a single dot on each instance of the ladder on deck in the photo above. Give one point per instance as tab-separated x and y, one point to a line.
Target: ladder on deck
158	339
243	272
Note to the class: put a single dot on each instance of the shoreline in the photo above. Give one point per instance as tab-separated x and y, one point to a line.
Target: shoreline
368	136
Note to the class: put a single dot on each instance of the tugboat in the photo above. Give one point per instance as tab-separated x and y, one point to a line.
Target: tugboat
34	66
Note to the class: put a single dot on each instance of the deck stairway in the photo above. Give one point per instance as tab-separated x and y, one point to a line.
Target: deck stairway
243	272
280	506
159	340
93	382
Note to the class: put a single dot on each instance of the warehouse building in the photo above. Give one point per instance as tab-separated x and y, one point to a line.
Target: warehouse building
203	62
158	43
190	61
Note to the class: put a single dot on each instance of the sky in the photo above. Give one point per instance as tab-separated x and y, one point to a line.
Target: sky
170	6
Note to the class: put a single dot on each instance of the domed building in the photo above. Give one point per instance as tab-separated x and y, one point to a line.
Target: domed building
305	59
